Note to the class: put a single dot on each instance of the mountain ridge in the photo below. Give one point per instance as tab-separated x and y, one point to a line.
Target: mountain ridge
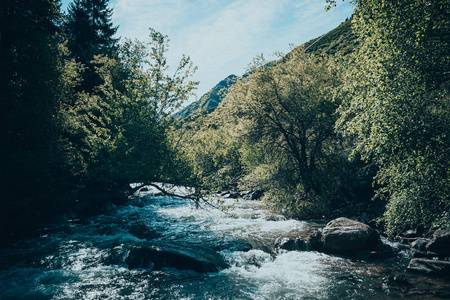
338	40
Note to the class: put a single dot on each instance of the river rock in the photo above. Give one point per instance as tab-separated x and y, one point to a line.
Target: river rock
381	251
255	195
429	266
420	244
156	258
345	236
401	280
440	243
236	246
232	195
316	241
291	244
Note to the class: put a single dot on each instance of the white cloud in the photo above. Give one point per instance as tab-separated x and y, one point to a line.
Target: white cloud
135	16
231	32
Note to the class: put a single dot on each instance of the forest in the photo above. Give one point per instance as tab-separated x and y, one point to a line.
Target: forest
358	126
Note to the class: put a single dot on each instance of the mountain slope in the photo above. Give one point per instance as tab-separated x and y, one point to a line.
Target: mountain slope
339	40
210	100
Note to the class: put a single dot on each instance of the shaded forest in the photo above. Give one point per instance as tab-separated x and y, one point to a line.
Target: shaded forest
83	114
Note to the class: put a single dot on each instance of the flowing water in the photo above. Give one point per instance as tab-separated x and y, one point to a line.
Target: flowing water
87	260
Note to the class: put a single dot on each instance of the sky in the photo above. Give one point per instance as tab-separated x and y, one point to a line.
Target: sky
223	36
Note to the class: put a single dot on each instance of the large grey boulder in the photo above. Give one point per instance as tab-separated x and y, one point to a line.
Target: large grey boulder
345	236
429	266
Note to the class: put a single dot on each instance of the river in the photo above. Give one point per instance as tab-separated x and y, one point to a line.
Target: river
86	259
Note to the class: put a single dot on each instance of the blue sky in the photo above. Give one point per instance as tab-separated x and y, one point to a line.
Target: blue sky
223	36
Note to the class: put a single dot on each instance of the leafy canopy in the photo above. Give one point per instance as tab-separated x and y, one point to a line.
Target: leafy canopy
398	106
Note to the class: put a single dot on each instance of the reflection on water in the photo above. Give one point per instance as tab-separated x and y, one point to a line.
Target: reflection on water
87	261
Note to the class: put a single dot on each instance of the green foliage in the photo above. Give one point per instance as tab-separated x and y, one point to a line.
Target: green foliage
120	133
89	29
152	96
274	131
340	40
398	106
288	109
213	151
297	204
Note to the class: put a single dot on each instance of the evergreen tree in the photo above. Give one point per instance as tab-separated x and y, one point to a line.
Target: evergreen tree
90	32
28	103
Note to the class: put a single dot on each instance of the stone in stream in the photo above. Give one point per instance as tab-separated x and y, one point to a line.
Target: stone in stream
419	250
156	258
381	251
255	195
420	244
237	246
316	241
440	243
291	244
345	236
429	266
400	280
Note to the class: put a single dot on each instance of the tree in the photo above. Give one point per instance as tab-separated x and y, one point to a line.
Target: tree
117	136
289	108
29	75
275	131
398	106
90	32
151	97
213	151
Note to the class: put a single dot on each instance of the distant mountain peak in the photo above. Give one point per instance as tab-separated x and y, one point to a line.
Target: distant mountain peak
210	100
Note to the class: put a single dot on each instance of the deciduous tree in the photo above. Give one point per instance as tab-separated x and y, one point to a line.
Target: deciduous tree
398	105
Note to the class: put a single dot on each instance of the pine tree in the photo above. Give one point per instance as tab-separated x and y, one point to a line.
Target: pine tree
28	102
90	32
